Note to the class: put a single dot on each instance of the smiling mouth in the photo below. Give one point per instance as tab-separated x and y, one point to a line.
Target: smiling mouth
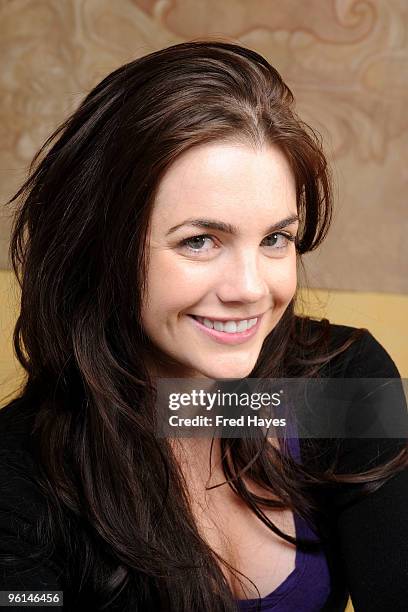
229	326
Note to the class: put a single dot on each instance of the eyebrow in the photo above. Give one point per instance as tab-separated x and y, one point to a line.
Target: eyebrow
228	228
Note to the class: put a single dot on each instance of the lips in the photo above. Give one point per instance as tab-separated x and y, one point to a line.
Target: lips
224	319
223	337
227	326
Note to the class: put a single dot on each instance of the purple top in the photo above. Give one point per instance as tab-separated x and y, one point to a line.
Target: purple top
307	587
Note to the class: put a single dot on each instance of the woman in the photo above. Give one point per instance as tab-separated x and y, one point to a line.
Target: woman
162	219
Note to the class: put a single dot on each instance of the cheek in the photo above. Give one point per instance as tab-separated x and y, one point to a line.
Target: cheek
284	281
171	286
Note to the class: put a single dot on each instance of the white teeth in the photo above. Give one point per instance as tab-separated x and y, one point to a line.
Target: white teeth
242	326
230	327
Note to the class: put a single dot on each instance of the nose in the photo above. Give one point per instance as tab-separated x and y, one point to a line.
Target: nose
243	279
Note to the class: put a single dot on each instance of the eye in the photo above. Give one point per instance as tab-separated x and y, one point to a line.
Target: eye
194	243
280	240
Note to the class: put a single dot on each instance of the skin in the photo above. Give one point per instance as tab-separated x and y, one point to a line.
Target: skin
229	277
223	276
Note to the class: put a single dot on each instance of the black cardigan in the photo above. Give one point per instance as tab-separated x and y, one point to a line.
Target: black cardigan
367	541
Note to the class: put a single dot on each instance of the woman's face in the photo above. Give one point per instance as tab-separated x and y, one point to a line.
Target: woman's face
219	250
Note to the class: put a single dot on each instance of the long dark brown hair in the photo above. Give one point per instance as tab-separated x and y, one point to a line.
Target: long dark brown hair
116	499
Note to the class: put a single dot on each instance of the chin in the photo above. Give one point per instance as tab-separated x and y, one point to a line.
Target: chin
221	372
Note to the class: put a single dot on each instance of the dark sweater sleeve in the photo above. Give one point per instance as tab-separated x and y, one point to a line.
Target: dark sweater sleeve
21	505
372	532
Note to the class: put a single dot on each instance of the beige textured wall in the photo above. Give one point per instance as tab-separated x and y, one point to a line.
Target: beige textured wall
346	61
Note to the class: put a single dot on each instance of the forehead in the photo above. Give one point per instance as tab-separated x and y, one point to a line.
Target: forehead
226	180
